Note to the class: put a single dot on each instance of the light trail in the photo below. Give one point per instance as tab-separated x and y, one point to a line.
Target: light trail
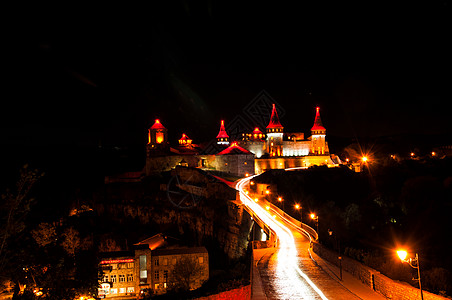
287	255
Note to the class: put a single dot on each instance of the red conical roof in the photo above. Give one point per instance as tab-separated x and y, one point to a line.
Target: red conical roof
274	120
318	121
184	137
157	125
222	133
257	131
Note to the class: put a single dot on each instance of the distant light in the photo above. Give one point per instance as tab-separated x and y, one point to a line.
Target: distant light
412	153
364	159
267	192
313	216
246	174
297	206
255	200
267	207
279	199
433	153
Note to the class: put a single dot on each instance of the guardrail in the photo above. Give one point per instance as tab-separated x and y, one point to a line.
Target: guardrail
306	229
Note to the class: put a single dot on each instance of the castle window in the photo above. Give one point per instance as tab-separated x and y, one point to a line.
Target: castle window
113	278
156	262
159	137
156	275
129	277
122	278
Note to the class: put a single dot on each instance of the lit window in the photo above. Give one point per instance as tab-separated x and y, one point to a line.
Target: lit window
122	278
156	275
130	289
201	259
129	277
156	286
113	278
164	285
113	291
143	274
122	290
159	137
105	278
165	261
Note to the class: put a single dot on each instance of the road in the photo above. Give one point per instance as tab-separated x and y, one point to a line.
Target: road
289	272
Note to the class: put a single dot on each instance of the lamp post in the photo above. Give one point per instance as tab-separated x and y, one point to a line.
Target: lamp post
298	207
414	263
339	257
316	219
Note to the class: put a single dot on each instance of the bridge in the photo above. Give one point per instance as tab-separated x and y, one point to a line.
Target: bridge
287	270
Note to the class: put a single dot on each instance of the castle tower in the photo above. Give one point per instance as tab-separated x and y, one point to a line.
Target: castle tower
318	136
222	137
274	135
157	136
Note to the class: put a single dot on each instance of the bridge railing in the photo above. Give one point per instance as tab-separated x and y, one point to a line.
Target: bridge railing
304	228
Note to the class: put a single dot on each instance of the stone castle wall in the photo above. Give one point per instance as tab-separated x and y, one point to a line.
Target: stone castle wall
380	283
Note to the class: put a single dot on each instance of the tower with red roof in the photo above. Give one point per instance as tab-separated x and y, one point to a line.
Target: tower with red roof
157	136
222	137
275	132
318	135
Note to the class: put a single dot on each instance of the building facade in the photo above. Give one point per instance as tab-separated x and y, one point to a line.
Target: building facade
255	153
152	269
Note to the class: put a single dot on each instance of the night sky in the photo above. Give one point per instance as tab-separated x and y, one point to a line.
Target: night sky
90	75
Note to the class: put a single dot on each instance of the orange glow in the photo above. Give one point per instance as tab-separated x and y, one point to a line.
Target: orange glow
267	207
402	254
255	200
412	153
279	199
433	153
313	216
267	192
251	182
149	136
364	159
247	192
115	261
159	137
297	206
246	174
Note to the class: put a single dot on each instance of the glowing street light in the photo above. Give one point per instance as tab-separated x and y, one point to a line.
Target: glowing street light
298	207
364	159
316	219
255	199
267	192
414	263
281	200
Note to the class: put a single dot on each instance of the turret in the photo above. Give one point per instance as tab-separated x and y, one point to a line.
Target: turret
222	137
158	136
318	136
274	134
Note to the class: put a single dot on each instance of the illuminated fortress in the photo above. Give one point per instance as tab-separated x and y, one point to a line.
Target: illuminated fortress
255	153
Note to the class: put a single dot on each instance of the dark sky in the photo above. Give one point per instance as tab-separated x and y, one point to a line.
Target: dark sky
105	73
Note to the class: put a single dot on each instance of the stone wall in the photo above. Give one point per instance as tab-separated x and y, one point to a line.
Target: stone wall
380	283
241	293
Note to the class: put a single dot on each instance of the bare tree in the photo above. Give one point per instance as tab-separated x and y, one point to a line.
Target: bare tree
44	235
14	207
185	271
71	241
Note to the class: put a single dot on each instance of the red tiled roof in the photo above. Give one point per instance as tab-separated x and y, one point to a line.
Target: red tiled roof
318	122
157	125
257	131
234	149
274	120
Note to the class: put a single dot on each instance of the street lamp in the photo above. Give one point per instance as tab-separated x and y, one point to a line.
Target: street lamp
414	263
364	159
316	219
298	207
280	199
